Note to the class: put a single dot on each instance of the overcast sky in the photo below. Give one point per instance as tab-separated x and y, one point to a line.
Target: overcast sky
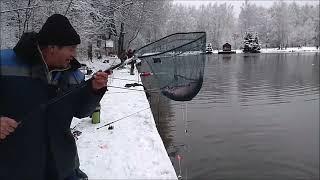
238	3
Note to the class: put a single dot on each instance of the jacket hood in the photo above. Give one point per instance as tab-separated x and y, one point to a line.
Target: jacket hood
27	48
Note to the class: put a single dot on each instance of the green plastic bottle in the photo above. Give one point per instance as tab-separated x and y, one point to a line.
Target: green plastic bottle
96	115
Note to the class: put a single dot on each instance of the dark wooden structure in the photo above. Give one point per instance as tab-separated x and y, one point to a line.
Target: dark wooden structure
226	49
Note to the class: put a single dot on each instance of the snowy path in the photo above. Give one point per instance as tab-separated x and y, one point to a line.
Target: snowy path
133	149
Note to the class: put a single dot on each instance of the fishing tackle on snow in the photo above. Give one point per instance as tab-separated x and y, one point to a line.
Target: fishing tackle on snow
133	85
108	124
76	134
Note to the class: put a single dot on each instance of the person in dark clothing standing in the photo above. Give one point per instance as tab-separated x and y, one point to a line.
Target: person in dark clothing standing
35	138
130	54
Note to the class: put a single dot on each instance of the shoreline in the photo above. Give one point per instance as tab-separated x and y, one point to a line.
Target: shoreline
276	50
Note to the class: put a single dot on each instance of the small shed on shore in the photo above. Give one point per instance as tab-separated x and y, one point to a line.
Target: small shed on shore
226	47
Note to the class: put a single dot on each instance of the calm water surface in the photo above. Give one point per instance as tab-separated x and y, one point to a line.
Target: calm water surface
256	117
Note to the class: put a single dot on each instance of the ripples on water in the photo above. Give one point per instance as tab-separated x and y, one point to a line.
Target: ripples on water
265	78
256	117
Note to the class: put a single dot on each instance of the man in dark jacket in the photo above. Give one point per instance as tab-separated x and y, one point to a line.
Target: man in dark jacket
35	138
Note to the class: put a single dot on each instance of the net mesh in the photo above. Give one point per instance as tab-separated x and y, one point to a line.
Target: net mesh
177	62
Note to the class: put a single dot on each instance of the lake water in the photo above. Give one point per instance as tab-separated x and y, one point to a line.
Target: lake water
256	117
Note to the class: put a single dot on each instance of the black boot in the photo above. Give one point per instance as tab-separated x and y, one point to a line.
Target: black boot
81	175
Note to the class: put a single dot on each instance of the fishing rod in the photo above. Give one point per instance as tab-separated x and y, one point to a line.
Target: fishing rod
82	85
151	90
122	118
85	83
59	98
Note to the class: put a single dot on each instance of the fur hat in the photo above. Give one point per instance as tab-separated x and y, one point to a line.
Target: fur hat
57	30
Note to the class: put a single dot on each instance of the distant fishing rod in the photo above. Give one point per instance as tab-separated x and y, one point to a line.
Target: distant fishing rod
122	118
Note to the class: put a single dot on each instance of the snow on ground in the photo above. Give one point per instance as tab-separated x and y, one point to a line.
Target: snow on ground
133	149
288	50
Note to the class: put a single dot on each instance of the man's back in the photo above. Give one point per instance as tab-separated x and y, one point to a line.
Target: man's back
24	150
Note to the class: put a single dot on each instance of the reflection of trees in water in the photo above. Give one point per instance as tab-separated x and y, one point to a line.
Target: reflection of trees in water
273	77
315	69
226	57
260	73
217	85
160	107
163	116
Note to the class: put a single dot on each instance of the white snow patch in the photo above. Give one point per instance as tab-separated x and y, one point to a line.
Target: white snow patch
133	149
290	50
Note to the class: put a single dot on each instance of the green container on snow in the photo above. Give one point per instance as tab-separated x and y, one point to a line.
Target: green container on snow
96	115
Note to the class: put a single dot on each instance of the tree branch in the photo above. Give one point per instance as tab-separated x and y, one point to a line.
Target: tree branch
19	9
27	18
68	7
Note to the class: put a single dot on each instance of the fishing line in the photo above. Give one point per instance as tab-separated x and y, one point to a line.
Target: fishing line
158	110
119	92
186	133
186	173
179	161
186	117
124	79
186	130
122	118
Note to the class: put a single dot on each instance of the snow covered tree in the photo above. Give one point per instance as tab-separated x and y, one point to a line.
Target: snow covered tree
317	26
248	17
304	25
145	21
280	24
251	43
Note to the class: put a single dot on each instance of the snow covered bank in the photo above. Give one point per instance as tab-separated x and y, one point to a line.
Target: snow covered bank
288	50
133	149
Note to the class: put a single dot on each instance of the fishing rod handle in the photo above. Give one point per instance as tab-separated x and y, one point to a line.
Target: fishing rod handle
109	70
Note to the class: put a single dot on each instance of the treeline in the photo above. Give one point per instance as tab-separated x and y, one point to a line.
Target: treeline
283	24
94	20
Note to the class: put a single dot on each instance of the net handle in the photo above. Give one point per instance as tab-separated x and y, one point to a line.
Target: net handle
204	34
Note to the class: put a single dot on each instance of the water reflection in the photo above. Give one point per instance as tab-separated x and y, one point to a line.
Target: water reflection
160	107
274	79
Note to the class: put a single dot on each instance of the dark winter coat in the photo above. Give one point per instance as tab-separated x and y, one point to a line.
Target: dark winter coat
42	146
